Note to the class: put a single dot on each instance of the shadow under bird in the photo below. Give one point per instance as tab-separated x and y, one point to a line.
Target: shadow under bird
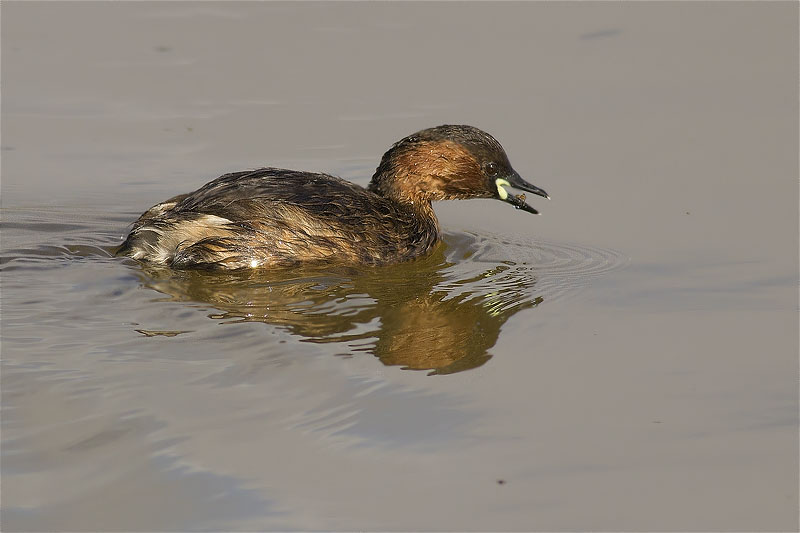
276	218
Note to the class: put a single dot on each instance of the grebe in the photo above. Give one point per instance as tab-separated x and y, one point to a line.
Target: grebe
275	218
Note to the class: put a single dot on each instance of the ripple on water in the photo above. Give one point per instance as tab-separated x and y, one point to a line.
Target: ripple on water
29	234
548	270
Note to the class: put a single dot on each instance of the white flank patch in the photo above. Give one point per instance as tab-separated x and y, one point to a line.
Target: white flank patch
178	236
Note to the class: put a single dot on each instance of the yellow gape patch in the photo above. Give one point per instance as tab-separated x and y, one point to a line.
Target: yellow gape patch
500	190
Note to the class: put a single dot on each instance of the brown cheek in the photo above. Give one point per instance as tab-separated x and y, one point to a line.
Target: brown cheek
439	171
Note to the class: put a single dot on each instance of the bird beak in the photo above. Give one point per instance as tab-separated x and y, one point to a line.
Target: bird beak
518	201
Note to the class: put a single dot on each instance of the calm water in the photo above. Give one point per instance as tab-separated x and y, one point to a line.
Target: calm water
627	361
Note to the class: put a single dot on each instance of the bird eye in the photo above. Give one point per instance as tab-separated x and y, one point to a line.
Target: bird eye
491	169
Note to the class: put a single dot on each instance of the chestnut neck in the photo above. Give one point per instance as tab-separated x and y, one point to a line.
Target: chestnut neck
426	171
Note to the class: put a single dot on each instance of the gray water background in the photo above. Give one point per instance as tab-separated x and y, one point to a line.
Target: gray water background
626	361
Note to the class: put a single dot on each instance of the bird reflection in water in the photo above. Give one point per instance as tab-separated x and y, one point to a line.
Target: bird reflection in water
441	313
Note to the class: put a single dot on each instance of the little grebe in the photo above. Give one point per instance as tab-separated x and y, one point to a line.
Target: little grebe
274	217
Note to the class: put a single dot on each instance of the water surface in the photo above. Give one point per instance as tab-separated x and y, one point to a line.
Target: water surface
626	361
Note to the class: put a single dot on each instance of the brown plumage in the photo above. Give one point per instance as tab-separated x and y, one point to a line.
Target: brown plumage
275	217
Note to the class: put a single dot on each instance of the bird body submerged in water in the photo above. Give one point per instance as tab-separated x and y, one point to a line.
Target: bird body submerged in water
274	217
